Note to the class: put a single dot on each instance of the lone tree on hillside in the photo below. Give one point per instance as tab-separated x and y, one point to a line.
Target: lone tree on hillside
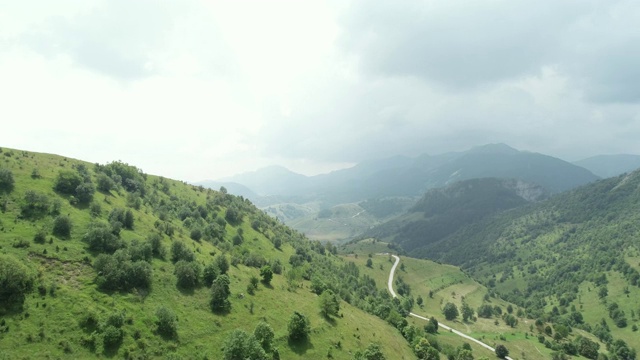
450	311
6	180
329	303
298	327
267	274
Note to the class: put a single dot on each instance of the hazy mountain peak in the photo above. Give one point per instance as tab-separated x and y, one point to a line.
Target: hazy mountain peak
499	148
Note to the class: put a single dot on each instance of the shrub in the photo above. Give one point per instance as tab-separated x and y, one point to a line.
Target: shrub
40	237
188	274
167	322
84	192
211	272
6	180
16	280
62	226
180	251
67	182
101	238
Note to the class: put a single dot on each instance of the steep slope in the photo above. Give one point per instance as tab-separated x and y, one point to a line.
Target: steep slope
573	258
441	212
107	261
607	166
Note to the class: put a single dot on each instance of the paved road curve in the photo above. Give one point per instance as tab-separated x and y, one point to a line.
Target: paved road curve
393	293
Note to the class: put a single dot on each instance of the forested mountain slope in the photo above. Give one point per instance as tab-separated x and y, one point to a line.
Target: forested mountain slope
103	260
442	211
574	258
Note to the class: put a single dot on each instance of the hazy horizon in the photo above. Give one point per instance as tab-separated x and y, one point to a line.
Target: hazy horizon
200	90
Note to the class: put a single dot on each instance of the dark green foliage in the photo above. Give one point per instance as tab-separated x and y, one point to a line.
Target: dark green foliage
233	216
485	311
298	327
40	237
369	263
587	348
222	263
62	226
467	311
372	352
167	322
16	280
266	274
112	336
35	205
67	182
329	303
84	192
95	209
6	180
188	274
180	251
105	183
119	272
125	175
432	326
100	238
220	294
264	335
157	248
501	351
140	250
241	346
450	311
196	234
211	272
120	217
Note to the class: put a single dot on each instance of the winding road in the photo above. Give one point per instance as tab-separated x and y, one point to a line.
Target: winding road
393	293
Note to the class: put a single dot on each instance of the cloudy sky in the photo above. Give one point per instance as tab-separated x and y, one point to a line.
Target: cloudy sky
199	90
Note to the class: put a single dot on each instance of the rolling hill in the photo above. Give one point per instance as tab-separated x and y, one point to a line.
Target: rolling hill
607	166
103	260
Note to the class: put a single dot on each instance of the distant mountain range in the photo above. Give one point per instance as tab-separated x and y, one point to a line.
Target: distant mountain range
404	176
294	197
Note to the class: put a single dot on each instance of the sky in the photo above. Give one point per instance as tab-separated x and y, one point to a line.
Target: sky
197	90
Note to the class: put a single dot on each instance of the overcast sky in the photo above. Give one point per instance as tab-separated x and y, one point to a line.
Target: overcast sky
198	90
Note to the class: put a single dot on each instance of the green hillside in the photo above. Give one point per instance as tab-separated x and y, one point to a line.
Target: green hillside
107	261
572	259
438	284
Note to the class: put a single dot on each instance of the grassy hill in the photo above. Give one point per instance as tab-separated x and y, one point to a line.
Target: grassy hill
572	259
132	276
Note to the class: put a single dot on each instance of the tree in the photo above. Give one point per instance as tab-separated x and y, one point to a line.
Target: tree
196	234
419	301
6	180
220	294
432	326
167	322
373	352
105	183
16	280
188	274
240	346
329	303
128	220
298	327
511	320
467	311
84	192
369	263
464	354
450	311
62	226
264	334
180	251
211	272
100	238
222	263
266	274
67	182
501	351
